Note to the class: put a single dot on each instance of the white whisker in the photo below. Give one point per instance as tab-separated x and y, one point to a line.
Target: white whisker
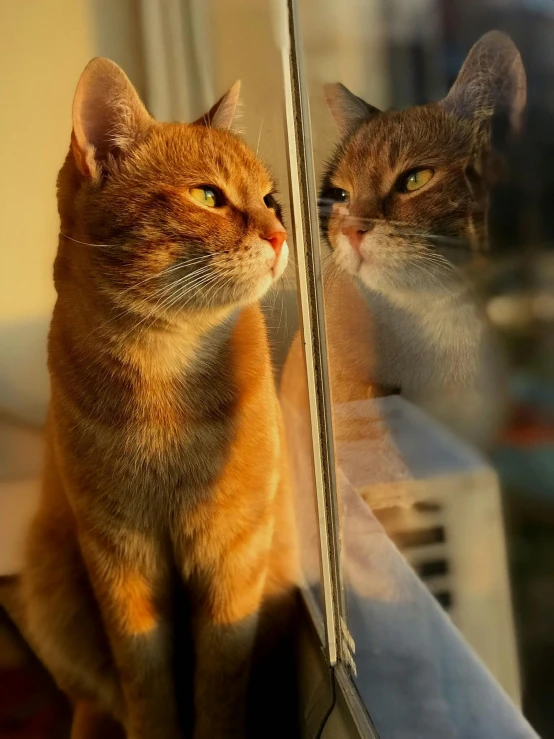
259	136
86	243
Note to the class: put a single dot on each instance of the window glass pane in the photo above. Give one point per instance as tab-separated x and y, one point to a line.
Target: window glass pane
438	281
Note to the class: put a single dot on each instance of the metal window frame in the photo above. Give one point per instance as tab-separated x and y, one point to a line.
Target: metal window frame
303	199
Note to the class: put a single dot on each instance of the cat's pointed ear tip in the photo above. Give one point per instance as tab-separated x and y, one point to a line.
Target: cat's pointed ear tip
100	65
331	88
107	115
233	93
99	61
499	42
97	68
492	78
496	38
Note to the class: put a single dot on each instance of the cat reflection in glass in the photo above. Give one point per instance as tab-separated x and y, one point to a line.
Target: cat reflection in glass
403	206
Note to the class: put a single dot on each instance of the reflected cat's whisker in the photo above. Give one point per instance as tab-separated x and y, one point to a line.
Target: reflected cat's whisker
445	289
422	252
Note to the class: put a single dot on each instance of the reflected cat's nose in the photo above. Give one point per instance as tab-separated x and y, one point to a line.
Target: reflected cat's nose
355	236
277	238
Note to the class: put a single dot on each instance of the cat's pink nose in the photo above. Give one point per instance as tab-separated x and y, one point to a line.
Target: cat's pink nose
277	239
355	236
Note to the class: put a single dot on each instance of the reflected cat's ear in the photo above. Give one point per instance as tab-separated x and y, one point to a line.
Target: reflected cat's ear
347	109
108	116
491	80
223	113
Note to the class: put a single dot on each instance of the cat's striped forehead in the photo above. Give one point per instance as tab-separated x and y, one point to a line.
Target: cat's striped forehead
396	141
373	161
190	155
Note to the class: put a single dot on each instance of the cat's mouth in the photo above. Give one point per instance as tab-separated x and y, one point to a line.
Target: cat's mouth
352	258
275	267
280	262
250	278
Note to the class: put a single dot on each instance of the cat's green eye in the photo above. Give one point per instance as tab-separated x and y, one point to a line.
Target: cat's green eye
207	196
416	179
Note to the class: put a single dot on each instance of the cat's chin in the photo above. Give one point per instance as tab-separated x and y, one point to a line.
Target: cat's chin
397	274
398	283
374	278
364	269
264	285
255	288
247	294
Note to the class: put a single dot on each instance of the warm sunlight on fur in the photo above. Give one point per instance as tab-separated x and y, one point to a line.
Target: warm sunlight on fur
166	479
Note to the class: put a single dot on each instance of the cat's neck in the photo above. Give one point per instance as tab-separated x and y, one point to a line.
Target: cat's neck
109	331
401	341
147	386
177	345
448	319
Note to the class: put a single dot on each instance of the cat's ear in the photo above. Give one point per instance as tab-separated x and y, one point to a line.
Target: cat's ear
223	113
491	80
108	116
347	109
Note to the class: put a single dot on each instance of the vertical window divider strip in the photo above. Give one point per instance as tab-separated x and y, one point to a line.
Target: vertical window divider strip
308	254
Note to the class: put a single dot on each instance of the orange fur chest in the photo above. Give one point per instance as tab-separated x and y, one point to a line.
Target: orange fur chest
150	441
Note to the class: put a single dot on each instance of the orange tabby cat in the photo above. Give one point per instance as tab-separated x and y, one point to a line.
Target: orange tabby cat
165	489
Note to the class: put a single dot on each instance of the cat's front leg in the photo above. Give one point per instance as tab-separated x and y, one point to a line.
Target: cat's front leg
129	583
223	653
225	629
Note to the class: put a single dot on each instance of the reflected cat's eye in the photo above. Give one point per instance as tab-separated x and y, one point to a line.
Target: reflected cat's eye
207	196
336	195
416	179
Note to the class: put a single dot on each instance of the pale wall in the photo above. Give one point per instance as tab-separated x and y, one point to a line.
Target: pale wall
44	45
